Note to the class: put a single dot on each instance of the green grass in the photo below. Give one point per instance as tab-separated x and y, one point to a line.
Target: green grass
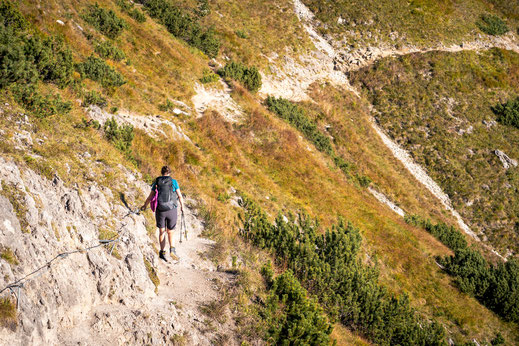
401	22
7	312
428	102
8	255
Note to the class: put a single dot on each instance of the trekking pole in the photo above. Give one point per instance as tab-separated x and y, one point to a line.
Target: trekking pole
184	225
180	230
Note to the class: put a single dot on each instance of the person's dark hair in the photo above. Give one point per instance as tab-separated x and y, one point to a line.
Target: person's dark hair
165	170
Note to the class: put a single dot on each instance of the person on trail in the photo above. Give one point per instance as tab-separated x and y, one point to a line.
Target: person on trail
168	197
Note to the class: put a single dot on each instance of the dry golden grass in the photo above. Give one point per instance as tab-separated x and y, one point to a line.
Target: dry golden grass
263	156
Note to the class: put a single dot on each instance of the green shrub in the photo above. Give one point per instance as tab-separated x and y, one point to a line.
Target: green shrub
41	106
328	266
97	70
108	50
508	112
130	9
296	116
105	21
35	58
167	106
7	312
11	17
209	77
137	14
94	98
496	287
492	25
183	26
121	136
448	235
203	8
291	317
248	76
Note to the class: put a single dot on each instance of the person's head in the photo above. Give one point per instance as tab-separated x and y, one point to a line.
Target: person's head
165	170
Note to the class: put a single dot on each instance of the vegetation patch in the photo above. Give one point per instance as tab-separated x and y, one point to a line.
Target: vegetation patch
492	25
98	70
7	312
7	254
448	235
508	112
209	77
248	76
296	116
130	9
108	50
121	136
42	106
290	315
152	274
183	26
105	21
328	266
94	98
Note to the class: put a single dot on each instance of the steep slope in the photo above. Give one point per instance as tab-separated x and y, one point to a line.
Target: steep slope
221	141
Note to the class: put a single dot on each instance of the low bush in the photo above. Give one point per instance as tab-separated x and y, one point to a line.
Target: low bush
291	317
508	112
329	268
98	70
209	77
42	106
121	136
496	287
105	21
29	59
108	50
94	98
296	116
130	9
248	76
183	26
448	235
11	17
492	25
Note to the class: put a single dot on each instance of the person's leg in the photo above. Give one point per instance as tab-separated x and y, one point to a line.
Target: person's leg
161	225
171	222
162	238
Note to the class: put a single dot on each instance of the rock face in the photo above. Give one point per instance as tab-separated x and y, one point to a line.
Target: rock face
88	297
505	160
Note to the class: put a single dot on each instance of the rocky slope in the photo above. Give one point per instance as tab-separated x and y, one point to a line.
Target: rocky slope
92	297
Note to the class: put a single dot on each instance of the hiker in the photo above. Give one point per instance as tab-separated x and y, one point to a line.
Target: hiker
166	208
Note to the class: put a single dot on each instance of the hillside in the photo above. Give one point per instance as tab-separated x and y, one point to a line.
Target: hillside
303	224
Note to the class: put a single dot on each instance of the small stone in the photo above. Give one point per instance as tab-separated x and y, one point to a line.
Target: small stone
60	22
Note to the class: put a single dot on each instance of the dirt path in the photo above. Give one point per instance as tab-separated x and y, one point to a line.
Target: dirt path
192	283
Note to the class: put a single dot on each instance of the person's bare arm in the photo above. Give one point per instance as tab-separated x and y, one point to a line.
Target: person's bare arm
180	199
148	200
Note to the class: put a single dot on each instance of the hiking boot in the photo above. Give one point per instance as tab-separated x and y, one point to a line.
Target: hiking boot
173	254
162	255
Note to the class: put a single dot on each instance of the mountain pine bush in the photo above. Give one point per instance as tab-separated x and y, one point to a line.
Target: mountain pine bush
98	70
492	25
121	136
108	50
508	112
183	26
248	76
105	21
329	268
